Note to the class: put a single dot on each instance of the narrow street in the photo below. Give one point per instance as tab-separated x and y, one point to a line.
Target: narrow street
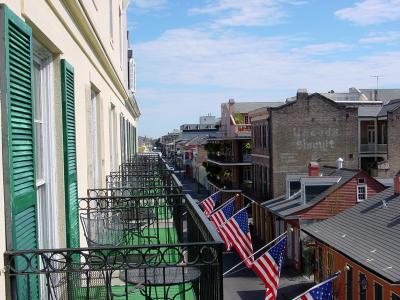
243	283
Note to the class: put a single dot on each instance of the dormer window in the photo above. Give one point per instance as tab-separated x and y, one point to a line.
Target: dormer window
311	191
293	184
294	187
313	186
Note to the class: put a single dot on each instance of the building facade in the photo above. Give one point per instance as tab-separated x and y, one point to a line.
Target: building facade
309	198
229	164
67	116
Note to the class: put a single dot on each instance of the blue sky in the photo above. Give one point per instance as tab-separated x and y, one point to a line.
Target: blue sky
192	55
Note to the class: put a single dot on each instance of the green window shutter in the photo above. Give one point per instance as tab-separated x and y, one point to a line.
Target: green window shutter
70	177
18	142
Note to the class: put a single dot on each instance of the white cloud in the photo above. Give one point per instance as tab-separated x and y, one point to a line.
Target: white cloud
148	4
322	49
368	12
188	72
246	12
389	37
194	58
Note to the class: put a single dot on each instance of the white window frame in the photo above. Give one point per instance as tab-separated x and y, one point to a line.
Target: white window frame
113	139
47	210
365	193
46	207
290	178
94	135
371	134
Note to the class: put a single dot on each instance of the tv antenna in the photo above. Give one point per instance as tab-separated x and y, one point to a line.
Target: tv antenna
377	85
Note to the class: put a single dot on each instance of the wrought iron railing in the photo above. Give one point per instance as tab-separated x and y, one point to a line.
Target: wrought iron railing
229	158
146	240
373	148
191	248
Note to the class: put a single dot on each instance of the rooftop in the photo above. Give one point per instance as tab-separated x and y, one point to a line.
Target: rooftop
367	233
245	107
284	207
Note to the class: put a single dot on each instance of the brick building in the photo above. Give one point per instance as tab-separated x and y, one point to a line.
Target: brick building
260	156
379	139
363	243
229	155
309	198
311	128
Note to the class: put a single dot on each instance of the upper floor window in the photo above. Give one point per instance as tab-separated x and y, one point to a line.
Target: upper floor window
361	192
329	268
363	283
378	291
371	134
395	297
349	282
246	119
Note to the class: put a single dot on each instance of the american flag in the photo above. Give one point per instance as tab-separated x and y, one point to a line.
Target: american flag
220	217
268	268
238	233
322	291
208	204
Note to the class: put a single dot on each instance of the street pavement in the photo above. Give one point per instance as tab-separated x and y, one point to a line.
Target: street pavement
242	283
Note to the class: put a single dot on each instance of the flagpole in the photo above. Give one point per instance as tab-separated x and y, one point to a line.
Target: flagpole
316	286
223	205
263	247
210	196
247	206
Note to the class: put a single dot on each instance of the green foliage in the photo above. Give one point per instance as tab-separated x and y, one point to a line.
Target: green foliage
239	118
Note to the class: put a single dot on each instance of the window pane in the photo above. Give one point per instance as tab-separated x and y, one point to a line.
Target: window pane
38	92
363	286
349	284
378	291
39	149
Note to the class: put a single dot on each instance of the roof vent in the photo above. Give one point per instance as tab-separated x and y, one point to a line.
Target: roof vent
384	204
339	163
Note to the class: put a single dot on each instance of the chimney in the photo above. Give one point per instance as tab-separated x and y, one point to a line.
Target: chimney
313	169
396	184
302	94
339	163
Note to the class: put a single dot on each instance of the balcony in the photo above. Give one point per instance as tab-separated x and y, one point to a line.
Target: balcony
229	159
373	148
243	130
145	240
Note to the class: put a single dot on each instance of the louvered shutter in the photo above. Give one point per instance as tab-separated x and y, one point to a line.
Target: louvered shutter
18	142
70	177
